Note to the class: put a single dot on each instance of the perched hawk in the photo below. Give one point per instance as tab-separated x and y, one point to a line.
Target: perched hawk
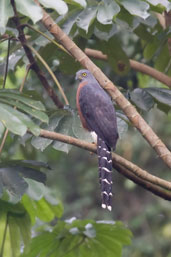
97	114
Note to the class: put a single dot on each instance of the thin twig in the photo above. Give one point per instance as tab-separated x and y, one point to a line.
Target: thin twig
50	72
46	36
32	61
6	65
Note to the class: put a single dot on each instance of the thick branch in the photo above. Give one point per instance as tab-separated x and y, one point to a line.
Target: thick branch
34	65
135	65
136	171
145	184
113	91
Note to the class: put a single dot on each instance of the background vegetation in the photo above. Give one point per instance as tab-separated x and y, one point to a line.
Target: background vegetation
50	197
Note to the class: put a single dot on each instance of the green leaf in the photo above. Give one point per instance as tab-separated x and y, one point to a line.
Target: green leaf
12	173
64	127
121	124
36	190
136	7
151	48
66	62
27	100
30	9
86	18
79	131
163	59
17	122
43	143
89	239
142	99
106	11
14	236
59	6
105	35
10	120
5	13
19	229
161	95
79	3
33	112
116	56
165	3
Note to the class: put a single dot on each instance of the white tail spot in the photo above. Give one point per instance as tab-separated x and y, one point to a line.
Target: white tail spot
104	168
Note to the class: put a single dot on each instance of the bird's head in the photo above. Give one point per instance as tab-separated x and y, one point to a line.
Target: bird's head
82	75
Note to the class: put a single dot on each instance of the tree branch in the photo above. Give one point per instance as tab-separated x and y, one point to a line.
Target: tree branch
34	65
113	91
118	161
156	190
135	65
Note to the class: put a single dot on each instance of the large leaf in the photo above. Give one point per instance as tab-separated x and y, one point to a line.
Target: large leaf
59	6
136	7
106	11
165	3
161	96
86	18
5	13
79	131
12	176
142	99
30	9
42	143
81	238
64	127
163	59
45	209
11	121
19	229
16	121
34	113
116	56
27	100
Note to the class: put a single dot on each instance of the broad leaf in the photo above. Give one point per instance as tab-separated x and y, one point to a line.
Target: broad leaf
64	127
12	176
161	95
10	120
86	18
16	121
59	6
142	99
106	11
79	131
27	100
116	56
33	112
42	143
19	230
136	7
5	13
30	9
81	238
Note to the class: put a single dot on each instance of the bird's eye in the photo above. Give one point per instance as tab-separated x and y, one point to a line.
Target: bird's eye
84	74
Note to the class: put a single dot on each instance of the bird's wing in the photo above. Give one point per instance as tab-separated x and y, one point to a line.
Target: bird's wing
99	113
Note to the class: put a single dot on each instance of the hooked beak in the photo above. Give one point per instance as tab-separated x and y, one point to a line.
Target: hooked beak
78	77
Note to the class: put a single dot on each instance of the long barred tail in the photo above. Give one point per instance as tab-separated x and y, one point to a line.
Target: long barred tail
105	172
